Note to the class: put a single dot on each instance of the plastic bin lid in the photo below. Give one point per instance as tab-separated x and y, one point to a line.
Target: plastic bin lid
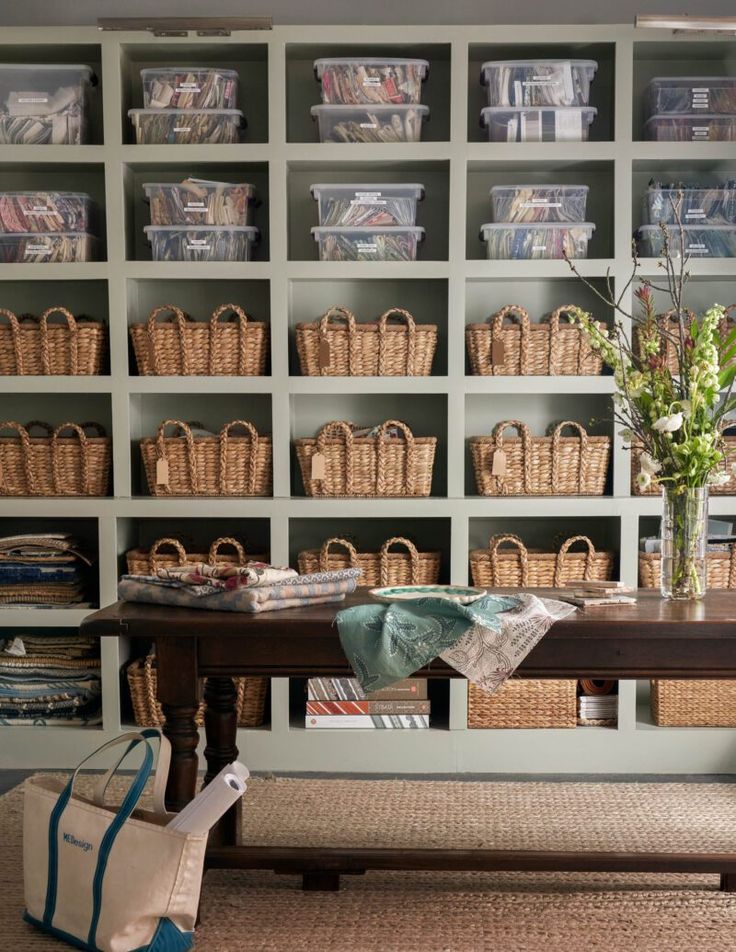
487	112
173	70
48	67
320	230
542	225
690	116
37	191
45	234
251	229
319	64
489	64
541	185
398	189
700	80
701	227
184	112
205	183
379	107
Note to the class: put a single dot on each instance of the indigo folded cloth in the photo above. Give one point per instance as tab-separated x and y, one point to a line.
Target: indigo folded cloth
290	593
485	641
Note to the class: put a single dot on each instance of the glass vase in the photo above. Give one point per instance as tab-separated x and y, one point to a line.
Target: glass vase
684	536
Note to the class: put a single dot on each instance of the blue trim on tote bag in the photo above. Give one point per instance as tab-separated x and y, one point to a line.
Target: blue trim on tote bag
166	938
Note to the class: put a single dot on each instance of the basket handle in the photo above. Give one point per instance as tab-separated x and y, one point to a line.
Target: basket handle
337	429
73	339
411	328
46	427
554	336
560	558
242	318
409	457
523	430
512	311
226	540
15	337
413	558
224	437
185	432
732	566
494	546
91	425
174	543
556	437
179	319
335	314
84	460
324	552
25	442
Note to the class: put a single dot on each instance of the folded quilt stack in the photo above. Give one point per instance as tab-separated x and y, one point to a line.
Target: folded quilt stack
49	680
40	571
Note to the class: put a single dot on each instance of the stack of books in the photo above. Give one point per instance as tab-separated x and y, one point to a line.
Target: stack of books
342	703
603	708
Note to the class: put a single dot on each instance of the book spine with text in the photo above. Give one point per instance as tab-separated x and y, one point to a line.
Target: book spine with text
348	689
380	721
367	707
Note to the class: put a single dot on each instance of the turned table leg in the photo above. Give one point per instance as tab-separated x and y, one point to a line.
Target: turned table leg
177	690
221	729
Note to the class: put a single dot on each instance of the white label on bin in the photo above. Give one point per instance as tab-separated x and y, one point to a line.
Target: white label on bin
539	247
700	132
371	80
368	246
44	97
195	207
198	244
182	128
541	81
695	213
368	125
189	88
541	203
41	210
38	250
368	198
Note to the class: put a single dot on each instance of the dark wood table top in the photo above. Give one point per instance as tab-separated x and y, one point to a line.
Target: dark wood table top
653	638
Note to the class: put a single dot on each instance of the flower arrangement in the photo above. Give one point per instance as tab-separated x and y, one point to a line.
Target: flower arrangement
674	377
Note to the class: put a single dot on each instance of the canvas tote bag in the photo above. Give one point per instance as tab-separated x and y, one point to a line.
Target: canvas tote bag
103	878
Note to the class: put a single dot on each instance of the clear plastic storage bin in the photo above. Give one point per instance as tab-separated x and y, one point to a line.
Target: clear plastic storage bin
186	126
713	206
42	212
367	205
44	104
208	243
199	202
688	127
375	79
62	247
368	244
547	124
701	241
696	94
189	87
532	203
381	123
540	240
538	82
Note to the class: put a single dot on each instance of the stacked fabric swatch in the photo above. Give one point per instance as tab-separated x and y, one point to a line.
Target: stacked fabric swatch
50	680
42	570
254	587
342	703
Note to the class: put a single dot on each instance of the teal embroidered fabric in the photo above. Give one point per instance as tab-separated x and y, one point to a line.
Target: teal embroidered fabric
385	643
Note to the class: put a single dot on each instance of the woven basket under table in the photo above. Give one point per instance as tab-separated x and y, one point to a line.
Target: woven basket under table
523	703
528	465
366	466
183	347
60	463
338	346
222	465
498	348
519	567
143	561
30	346
378	568
141	675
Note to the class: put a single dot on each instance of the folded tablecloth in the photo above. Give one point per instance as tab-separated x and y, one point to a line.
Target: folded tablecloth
485	641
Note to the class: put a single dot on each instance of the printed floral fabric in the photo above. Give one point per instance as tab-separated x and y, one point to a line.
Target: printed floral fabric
227	576
203	587
485	640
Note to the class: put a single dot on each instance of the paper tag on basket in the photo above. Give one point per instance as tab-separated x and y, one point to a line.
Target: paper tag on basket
162	472
498	465
498	352
325	356
318	466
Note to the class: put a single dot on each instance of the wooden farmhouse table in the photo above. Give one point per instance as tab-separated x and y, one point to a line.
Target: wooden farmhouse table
652	639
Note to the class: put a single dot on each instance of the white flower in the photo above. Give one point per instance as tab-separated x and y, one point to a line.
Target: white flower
626	435
668	424
649	464
643	480
686	407
718	479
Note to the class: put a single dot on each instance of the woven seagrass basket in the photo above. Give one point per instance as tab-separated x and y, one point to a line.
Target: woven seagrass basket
338	346
222	465
693	703
143	561
141	675
31	346
181	347
378	568
522	703
57	464
528	465
336	463
499	348
515	566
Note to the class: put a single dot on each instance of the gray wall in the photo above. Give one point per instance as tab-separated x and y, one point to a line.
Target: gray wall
43	13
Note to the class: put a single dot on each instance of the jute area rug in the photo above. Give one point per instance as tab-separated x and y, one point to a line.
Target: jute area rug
453	912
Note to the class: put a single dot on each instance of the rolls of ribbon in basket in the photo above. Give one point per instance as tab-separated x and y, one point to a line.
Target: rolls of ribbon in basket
596	687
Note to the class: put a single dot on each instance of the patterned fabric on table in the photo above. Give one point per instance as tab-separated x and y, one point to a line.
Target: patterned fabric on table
485	641
227	576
